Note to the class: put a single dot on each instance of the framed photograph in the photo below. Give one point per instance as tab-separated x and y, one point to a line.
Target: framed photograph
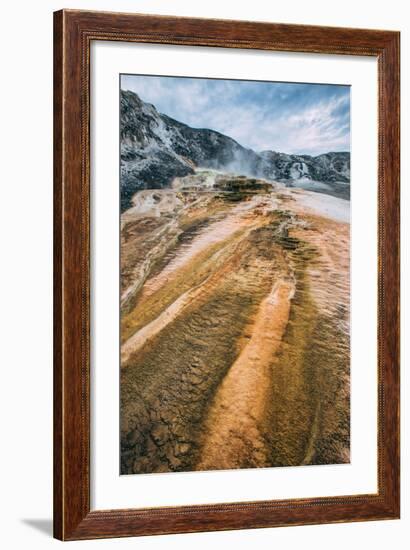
226	287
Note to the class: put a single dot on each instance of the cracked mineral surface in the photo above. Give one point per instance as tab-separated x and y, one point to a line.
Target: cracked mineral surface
235	346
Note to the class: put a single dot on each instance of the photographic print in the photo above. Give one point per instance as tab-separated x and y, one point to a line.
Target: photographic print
234	274
205	267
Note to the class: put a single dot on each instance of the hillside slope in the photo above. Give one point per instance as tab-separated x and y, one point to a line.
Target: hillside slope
155	149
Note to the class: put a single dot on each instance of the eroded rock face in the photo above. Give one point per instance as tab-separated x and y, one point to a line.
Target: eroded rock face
329	167
156	148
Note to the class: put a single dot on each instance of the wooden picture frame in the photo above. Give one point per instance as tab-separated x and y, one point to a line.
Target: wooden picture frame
74	32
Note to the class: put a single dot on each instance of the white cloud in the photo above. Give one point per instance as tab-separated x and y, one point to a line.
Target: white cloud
264	117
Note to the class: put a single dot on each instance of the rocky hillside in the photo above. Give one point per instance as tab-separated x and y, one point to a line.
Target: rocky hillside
156	148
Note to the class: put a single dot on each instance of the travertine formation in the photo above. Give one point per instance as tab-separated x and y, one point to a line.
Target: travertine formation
234	326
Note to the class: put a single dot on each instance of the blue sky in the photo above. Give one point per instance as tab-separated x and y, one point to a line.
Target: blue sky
285	117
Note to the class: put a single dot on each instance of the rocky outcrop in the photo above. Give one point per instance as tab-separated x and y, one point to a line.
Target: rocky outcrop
328	167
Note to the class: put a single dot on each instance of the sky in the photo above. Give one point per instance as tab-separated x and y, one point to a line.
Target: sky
285	117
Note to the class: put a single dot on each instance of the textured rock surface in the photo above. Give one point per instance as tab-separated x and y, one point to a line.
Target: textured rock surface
234	327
